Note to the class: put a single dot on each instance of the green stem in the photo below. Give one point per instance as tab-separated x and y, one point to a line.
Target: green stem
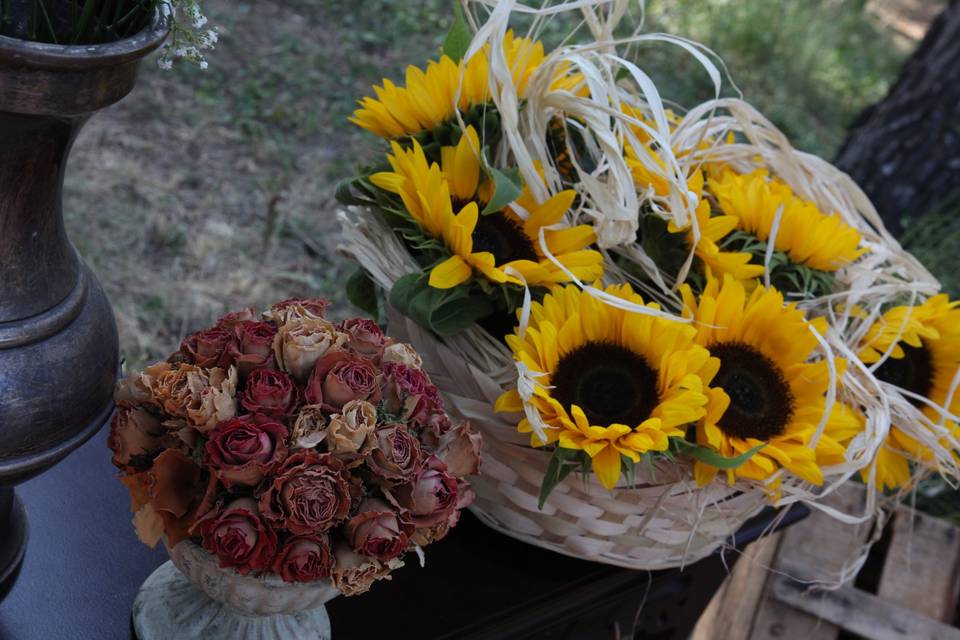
88	9
46	19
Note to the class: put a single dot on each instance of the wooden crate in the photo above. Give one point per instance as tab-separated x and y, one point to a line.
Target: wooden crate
908	590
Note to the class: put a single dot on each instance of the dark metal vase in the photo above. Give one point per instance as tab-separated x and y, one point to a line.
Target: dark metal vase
58	338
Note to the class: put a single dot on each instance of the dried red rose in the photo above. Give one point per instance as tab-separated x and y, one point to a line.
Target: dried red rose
340	377
272	393
378	531
431	497
365	337
409	393
134	434
304	559
397	457
310	494
252	346
208	348
231	320
169	497
242	451
238	536
176	483
401	381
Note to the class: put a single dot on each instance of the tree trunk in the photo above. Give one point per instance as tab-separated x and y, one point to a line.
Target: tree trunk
904	151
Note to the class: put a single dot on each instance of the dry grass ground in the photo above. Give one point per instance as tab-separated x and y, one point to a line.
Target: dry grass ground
205	191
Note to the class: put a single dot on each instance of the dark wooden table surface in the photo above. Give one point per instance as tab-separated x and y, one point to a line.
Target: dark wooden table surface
84	565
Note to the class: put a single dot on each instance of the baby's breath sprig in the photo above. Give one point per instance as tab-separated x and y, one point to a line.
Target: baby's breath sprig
189	34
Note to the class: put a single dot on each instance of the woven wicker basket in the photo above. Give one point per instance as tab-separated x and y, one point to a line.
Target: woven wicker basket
664	521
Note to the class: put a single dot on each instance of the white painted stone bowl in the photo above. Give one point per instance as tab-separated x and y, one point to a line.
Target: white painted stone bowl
191	597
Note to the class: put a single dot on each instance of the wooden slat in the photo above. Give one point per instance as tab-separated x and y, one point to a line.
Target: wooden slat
920	571
821	545
854	610
732	610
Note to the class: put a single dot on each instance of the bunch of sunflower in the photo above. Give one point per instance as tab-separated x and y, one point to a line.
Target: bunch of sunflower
914	351
707	337
480	237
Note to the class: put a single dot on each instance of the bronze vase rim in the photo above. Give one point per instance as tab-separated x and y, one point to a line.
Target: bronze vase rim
79	57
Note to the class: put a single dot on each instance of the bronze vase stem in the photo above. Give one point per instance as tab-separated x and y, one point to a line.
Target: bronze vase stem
58	339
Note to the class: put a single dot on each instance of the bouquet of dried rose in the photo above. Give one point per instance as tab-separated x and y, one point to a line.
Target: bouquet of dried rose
291	445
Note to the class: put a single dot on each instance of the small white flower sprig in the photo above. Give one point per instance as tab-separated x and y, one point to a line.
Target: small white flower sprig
189	34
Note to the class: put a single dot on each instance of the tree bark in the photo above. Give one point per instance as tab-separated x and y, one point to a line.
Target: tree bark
904	151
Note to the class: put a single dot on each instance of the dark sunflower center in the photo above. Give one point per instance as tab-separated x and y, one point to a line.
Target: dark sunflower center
502	237
610	383
913	372
761	403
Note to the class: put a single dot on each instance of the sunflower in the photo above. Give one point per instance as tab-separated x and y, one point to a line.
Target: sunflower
923	343
502	246
807	235
430	96
712	228
615	383
771	394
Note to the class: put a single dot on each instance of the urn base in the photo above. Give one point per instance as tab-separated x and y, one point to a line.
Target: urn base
170	606
13	537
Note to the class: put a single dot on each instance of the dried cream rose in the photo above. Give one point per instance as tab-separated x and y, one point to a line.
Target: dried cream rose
212	399
170	386
460	450
199	397
282	312
310	428
350	431
303	340
353	573
131	392
404	354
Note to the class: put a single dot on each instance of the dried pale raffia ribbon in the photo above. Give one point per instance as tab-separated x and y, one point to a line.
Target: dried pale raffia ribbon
526	377
597	63
771	245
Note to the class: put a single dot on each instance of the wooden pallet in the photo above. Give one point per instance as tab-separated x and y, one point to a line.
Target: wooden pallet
915	597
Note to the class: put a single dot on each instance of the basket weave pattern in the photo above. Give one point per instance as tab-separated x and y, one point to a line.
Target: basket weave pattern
664	521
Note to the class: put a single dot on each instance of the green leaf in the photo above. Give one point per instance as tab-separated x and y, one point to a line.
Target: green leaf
362	293
559	467
404	290
454	315
458	38
711	457
629	470
347	193
422	301
507	187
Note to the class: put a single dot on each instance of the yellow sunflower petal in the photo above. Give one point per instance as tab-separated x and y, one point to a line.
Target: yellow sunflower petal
450	273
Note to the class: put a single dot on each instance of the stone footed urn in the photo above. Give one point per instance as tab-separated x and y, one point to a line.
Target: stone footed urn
58	337
192	598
